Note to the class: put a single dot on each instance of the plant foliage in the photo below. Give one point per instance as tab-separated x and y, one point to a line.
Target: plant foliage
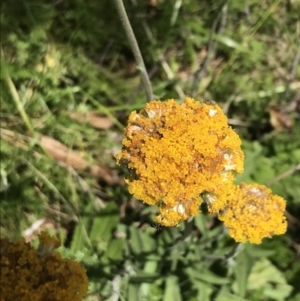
68	84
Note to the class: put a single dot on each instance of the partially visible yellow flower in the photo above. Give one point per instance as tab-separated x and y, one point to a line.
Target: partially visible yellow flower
176	153
47	244
39	275
254	213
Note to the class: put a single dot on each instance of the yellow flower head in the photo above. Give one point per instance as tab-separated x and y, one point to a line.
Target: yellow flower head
254	213
30	274
176	153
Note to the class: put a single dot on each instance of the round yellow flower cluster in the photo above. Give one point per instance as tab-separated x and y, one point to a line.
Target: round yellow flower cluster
180	155
177	152
39	275
254	213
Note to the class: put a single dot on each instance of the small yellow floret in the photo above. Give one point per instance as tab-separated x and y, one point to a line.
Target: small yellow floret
254	213
177	152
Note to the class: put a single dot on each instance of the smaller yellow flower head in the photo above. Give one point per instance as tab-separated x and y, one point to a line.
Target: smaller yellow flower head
254	213
176	153
40	275
47	244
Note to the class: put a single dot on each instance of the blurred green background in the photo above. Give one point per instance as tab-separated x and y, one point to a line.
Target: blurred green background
68	83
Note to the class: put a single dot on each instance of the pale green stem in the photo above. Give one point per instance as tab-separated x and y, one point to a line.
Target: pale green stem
134	47
15	96
18	103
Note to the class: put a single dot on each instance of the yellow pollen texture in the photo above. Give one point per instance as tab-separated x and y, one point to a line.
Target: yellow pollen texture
254	213
177	152
26	274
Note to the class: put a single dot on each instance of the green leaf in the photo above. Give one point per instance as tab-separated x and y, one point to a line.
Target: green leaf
104	223
204	290
167	236
132	292
207	276
144	278
271	281
140	241
115	249
172	291
201	224
230	297
135	240
257	252
78	241
244	263
149	268
230	43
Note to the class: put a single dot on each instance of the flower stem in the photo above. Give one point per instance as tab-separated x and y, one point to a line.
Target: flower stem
134	47
16	98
